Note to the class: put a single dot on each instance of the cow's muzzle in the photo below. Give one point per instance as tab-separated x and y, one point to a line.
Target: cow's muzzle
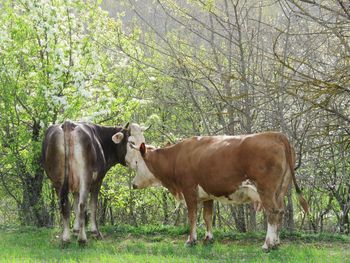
134	186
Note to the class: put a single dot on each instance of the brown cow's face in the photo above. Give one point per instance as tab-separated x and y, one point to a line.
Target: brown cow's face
144	178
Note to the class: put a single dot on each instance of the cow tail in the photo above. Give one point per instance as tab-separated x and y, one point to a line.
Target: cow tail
290	158
65	186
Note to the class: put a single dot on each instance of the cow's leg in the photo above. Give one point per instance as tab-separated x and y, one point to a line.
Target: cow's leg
93	207
279	226
83	195
65	217
287	178
208	216
273	214
76	211
65	211
191	203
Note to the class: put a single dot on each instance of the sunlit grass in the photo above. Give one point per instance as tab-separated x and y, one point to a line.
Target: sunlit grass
166	244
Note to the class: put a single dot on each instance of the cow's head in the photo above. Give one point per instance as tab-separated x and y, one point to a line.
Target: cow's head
136	152
121	141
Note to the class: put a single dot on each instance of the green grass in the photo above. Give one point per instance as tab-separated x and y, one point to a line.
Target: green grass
166	244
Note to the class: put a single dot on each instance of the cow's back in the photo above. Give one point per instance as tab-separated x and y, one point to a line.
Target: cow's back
220	163
71	148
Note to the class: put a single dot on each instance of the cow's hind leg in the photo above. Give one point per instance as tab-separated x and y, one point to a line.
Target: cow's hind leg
208	218
93	207
273	214
83	194
76	211
287	178
65	211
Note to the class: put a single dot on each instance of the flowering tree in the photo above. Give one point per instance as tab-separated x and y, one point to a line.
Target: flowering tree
53	66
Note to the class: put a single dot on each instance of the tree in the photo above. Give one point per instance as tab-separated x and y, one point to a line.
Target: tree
52	68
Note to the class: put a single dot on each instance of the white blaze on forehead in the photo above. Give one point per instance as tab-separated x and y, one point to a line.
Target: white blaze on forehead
137	134
136	137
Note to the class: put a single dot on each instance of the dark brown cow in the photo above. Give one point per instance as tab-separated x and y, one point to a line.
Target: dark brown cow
215	167
76	156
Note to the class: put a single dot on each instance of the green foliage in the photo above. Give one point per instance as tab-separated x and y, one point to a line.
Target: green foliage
53	67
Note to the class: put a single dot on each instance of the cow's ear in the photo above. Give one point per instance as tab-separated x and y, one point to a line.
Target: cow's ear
118	137
143	149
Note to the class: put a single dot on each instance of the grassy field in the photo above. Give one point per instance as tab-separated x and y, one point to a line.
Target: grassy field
166	244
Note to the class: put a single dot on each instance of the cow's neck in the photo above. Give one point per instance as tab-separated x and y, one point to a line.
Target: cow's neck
162	167
112	152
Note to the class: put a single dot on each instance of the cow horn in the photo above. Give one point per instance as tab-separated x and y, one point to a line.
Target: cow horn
126	126
146	129
134	146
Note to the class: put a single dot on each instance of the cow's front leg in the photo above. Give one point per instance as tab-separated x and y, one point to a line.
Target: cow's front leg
208	216
191	203
93	207
76	211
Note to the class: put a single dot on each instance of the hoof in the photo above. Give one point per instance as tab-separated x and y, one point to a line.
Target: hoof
75	232
268	248
82	242
65	243
97	235
275	246
208	240
190	243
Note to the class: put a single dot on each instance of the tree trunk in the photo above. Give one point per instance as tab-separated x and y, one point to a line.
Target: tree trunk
33	210
252	218
238	215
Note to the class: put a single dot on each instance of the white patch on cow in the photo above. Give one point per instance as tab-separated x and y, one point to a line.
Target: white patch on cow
93	225
203	194
251	192
136	132
244	194
80	165
194	236
94	176
66	234
209	235
144	178
76	211
271	236
60	143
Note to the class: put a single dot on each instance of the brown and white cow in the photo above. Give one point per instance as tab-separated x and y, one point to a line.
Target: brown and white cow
215	167
76	156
